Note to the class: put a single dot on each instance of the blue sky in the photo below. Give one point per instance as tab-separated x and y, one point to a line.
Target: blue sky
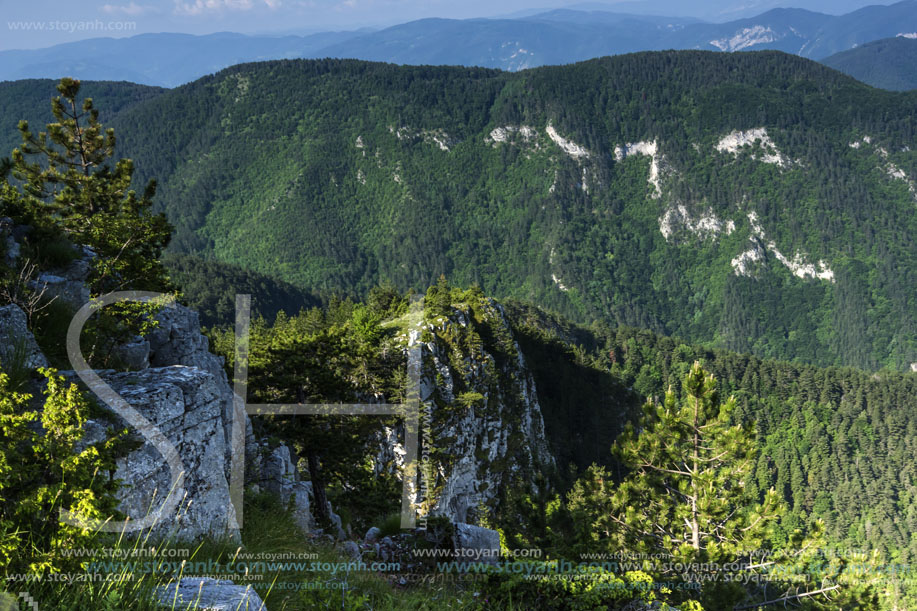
41	23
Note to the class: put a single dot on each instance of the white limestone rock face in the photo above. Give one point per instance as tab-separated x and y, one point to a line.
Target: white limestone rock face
758	138
511	134
745	263
437	137
705	225
651	150
208	593
17	344
745	38
571	148
799	265
891	169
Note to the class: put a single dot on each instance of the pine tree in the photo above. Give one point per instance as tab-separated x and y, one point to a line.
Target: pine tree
69	183
686	490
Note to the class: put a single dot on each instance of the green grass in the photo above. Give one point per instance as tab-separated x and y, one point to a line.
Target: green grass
16	363
269	529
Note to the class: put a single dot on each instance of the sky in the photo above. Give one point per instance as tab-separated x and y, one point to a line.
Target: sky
32	24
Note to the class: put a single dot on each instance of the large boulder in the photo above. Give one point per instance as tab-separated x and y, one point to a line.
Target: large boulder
476	544
207	593
17	344
186	405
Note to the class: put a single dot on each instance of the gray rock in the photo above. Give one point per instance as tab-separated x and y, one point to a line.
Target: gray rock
177	340
372	535
211	594
278	474
71	291
476	544
302	498
135	354
69	283
93	432
11	251
352	549
336	523
478	438
17	344
186	405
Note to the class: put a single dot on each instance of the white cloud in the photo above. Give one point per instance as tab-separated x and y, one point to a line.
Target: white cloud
130	9
200	7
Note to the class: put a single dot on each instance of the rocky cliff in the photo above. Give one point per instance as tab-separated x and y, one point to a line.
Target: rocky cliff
482	427
482	431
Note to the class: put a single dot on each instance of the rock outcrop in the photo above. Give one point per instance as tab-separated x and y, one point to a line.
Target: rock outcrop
207	593
177	340
476	544
17	345
69	283
480	408
279	475
186	404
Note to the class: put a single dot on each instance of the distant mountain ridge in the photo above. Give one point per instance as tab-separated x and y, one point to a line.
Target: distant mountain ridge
890	63
554	37
166	60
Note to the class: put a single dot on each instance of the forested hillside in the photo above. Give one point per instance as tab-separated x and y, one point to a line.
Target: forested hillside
890	63
836	442
758	202
28	99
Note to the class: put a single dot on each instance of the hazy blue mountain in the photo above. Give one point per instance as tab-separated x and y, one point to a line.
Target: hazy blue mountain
508	44
565	36
890	63
720	10
157	59
788	30
862	26
552	37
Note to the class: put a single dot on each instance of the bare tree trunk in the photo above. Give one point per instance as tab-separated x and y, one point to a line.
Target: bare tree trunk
695	526
318	489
